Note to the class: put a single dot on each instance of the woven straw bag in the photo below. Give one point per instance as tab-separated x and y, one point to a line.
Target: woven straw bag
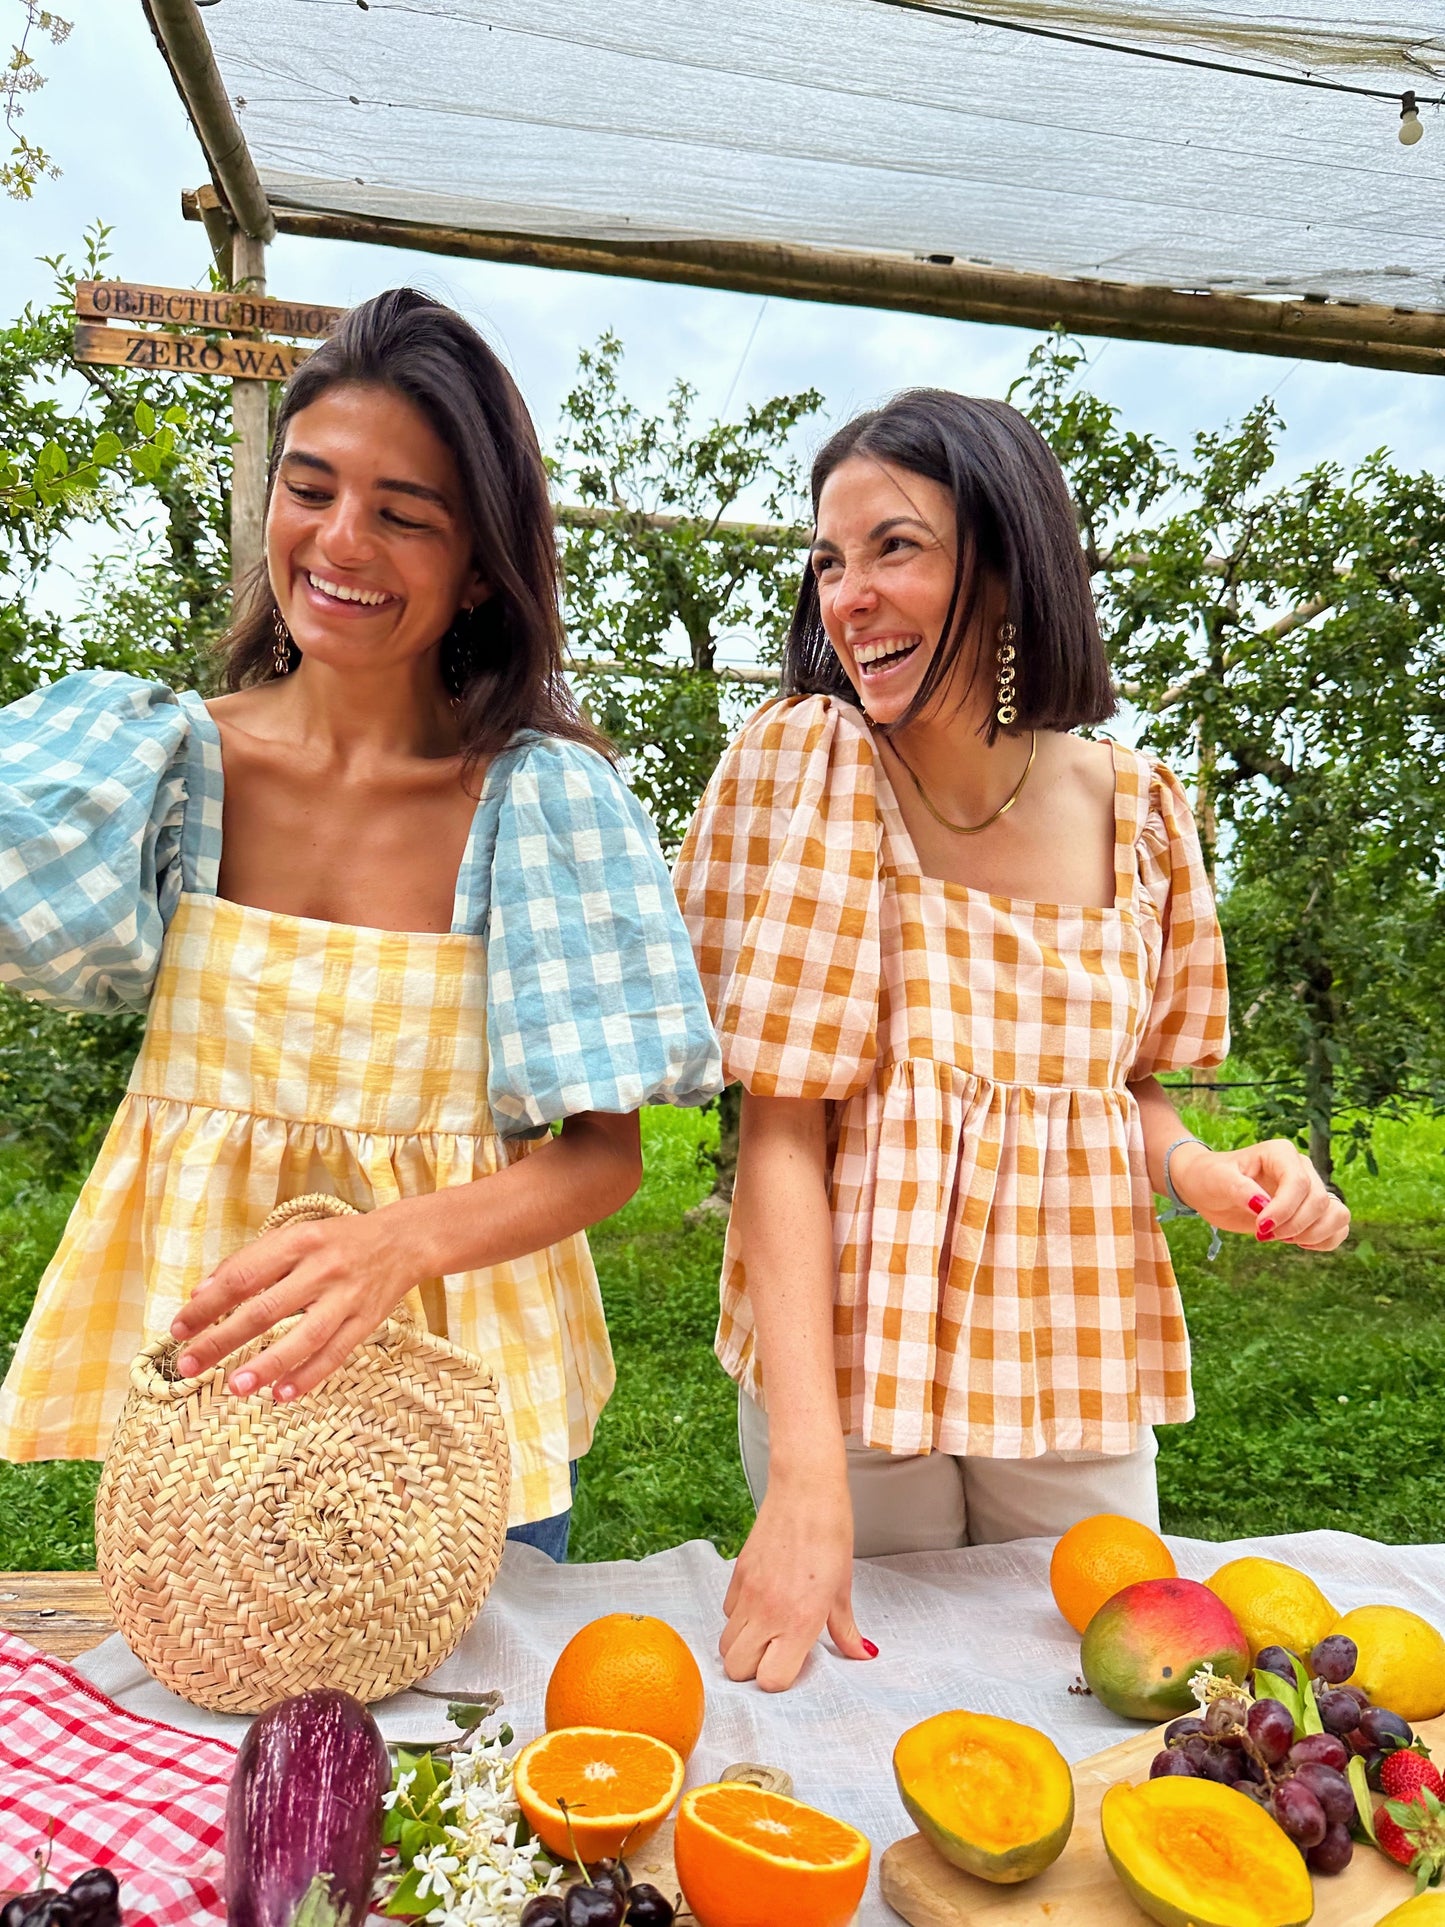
251	1550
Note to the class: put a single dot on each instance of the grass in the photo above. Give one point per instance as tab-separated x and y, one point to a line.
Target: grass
1318	1380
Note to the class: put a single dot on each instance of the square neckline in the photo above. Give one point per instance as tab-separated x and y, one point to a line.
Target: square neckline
897	833
211	729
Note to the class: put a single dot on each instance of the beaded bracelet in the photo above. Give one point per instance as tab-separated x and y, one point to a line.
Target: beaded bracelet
1178	1208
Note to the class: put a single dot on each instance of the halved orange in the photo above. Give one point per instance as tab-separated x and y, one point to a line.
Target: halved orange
614	1787
746	1858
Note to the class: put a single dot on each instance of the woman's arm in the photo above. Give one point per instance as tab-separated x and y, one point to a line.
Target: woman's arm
348	1274
795	1574
1268	1189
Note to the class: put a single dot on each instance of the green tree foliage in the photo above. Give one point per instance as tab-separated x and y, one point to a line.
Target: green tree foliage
89	453
657	573
28	164
1287	639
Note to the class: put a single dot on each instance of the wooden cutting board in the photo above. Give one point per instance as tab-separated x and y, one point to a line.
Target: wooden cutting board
1081	1888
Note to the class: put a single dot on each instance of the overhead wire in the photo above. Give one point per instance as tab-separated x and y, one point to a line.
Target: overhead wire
943	9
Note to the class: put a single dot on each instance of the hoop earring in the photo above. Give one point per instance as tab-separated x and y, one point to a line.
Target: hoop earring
281	647
1006	710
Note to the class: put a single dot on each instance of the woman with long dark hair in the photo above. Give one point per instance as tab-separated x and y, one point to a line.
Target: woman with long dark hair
949	945
392	914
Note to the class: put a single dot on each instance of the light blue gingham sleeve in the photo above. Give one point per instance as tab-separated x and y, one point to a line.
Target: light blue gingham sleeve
593	998
109	808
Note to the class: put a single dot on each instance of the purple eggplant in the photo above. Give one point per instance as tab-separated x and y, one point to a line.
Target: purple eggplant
304	1815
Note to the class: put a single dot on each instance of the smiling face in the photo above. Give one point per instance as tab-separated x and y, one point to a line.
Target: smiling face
884	556
367	543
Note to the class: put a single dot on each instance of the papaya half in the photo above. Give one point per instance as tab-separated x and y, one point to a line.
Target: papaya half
994	1797
1193	1853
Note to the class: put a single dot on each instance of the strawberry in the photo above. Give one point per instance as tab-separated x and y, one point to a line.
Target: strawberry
1403	1774
1413	1832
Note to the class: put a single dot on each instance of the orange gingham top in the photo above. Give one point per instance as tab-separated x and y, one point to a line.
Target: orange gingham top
1004	1288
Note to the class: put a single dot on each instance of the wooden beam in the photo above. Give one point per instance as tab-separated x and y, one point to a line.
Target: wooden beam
199	308
251	422
160	353
772	535
1368	334
182	39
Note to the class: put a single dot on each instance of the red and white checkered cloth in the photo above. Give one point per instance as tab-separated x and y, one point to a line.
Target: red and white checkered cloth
103	1788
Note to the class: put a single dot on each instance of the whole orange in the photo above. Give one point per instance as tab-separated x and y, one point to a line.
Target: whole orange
630	1672
1100	1556
747	1858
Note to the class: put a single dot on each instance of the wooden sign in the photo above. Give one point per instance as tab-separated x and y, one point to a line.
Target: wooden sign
187	354
191	308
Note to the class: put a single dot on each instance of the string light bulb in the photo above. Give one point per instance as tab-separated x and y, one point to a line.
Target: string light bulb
1410	128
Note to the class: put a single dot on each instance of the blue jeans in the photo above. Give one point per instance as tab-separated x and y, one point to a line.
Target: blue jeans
548	1535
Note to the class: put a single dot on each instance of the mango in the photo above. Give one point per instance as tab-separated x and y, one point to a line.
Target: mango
1143	1646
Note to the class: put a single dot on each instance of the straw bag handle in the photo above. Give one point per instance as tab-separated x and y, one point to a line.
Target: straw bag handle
314	1205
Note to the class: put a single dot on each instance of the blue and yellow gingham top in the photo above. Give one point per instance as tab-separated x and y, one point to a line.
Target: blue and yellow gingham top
283	1054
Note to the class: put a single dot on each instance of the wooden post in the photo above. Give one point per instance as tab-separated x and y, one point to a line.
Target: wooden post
250	402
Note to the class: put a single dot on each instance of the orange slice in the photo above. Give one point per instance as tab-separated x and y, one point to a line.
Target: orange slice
614	1787
746	1858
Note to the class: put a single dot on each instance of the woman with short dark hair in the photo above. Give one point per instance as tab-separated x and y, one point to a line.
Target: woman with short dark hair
949	944
392	915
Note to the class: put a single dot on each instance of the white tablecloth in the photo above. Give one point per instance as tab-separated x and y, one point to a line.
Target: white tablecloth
975	1628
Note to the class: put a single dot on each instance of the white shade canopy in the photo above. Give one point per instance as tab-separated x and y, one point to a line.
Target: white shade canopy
903	133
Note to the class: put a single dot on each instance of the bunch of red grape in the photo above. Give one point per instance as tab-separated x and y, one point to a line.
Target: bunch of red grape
1299	1778
91	1900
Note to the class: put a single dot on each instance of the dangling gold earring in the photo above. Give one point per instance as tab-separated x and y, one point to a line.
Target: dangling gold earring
1006	712
281	652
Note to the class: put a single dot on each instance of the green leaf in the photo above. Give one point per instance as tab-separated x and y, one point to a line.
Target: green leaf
145	418
424	1786
1364	1805
1269	1686
1309	1705
392	1822
176	416
107	451
146	462
408	1898
416	1837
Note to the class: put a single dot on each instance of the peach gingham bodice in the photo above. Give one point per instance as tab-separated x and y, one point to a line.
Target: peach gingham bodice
1003	1288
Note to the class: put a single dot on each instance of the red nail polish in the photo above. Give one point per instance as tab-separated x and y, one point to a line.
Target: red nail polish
1265	1237
1258	1202
1266	1227
870	1649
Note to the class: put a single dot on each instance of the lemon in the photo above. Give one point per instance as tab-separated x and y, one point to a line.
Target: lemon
1425	1910
1274	1604
1402	1660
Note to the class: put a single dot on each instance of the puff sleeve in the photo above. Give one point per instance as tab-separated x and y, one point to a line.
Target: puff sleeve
1188	1021
96	773
593	1001
779	885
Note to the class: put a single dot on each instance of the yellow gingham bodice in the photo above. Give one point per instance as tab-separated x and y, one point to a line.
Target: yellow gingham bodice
284	1055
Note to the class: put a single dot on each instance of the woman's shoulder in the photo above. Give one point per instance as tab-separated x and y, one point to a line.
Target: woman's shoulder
85	698
803	723
562	778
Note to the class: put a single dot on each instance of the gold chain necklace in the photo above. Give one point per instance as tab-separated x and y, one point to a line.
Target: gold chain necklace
970	829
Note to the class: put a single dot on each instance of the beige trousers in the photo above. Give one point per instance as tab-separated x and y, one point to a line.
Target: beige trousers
937	1502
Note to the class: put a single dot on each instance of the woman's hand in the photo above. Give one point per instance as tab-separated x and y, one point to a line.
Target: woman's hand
1270	1189
792	1578
345	1275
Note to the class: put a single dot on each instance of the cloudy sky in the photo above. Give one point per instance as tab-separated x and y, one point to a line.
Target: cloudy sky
111	119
